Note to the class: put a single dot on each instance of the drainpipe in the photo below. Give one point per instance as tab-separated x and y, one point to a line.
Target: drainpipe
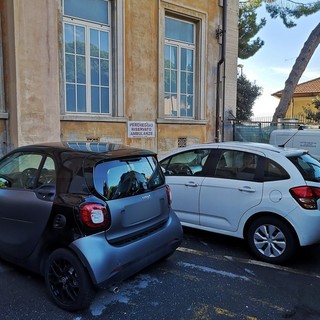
221	63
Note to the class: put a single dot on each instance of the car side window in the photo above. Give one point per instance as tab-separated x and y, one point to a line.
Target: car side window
47	173
273	171
20	171
236	165
186	163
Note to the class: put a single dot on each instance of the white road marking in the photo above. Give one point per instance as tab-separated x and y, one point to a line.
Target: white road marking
211	270
249	262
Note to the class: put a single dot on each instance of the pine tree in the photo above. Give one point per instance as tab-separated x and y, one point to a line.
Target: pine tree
288	11
247	93
248	29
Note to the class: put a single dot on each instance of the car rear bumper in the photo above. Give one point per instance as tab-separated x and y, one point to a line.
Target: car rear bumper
307	225
108	264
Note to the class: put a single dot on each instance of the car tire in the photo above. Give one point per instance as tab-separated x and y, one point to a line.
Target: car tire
271	240
68	281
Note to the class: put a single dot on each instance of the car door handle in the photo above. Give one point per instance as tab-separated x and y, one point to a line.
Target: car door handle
247	189
191	184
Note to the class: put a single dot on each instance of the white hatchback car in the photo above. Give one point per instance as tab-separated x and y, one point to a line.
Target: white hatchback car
268	195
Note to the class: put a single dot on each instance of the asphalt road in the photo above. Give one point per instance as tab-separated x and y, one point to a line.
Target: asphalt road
209	277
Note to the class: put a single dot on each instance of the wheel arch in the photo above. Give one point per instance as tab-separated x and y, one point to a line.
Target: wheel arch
50	249
69	271
267	214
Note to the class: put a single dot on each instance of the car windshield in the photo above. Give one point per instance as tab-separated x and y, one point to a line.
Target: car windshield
127	177
308	166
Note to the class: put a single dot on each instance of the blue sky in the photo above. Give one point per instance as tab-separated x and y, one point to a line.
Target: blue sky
271	65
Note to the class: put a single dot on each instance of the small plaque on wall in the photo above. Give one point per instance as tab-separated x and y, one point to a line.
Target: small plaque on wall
141	129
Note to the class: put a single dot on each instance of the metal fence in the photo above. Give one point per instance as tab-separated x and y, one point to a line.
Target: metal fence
260	131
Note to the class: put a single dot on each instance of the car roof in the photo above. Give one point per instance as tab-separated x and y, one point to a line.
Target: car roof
111	150
245	146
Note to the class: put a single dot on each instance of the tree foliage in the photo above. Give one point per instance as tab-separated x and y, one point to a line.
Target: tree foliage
248	29
247	93
288	11
313	114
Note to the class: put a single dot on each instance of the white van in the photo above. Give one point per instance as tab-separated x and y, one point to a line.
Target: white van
307	139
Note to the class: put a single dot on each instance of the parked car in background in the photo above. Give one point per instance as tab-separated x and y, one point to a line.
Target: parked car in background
268	195
84	215
307	139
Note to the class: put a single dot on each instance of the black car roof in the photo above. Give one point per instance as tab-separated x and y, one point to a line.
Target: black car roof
111	150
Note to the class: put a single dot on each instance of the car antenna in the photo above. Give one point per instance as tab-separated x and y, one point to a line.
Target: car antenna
283	144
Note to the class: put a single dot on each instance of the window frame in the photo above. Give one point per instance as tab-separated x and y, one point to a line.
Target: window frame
88	26
180	46
199	18
116	67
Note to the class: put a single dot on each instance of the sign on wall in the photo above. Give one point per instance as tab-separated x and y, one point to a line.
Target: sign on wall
141	129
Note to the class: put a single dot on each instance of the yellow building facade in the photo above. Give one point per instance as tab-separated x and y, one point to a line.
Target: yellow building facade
157	74
302	98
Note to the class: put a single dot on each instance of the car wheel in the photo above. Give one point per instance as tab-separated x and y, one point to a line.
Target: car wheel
67	281
271	240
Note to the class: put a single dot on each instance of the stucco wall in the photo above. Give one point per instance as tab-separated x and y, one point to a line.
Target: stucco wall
31	70
3	147
231	67
97	131
141	64
296	107
143	53
33	74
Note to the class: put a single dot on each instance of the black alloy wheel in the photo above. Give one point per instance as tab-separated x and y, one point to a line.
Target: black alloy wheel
67	281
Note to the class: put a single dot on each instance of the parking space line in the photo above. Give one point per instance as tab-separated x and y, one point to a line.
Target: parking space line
248	261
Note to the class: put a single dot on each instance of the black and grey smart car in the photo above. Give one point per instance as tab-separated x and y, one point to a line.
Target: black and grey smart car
84	215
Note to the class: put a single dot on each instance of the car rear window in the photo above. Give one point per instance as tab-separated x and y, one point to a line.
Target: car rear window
308	166
127	177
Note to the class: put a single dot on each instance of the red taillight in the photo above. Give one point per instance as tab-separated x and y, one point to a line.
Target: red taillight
306	196
169	195
94	215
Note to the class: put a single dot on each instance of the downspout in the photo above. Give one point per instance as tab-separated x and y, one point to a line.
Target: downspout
3	114
221	62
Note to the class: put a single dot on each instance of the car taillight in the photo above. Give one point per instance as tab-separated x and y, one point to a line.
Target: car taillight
306	196
94	215
169	195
